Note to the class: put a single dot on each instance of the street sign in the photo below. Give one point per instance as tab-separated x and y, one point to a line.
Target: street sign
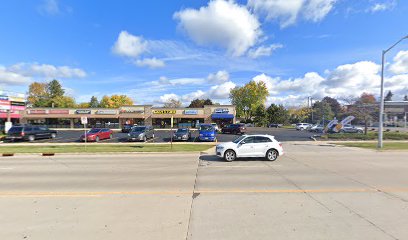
84	120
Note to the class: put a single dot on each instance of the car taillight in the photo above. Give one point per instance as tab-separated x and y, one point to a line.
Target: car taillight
22	134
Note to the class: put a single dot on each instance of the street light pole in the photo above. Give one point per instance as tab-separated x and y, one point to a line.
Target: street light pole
381	117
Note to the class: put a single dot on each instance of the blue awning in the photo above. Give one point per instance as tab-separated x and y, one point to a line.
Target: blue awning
222	116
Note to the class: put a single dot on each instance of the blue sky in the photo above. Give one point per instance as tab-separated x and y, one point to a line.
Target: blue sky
156	50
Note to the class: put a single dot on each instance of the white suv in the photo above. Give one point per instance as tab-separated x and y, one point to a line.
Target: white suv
302	126
250	146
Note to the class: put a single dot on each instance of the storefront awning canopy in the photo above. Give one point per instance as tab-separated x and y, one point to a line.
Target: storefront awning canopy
222	116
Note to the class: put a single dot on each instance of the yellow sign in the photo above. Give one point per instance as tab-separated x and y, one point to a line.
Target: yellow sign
164	111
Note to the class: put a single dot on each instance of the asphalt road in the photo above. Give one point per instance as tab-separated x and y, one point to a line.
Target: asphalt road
66	136
313	192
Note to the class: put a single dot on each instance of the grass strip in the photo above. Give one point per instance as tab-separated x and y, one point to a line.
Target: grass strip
96	148
369	136
387	146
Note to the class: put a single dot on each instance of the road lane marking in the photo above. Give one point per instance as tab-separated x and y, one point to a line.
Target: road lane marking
203	191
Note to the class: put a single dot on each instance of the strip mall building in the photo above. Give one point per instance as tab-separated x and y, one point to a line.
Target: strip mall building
136	114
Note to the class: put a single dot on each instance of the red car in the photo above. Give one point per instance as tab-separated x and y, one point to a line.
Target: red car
96	134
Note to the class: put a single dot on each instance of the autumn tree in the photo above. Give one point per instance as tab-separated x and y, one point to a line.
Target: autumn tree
115	101
83	105
64	102
297	115
172	103
37	94
364	108
248	98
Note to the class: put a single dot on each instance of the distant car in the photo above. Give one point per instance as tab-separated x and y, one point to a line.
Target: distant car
141	133
207	133
275	125
302	126
182	134
238	128
30	133
215	127
127	128
318	128
348	128
250	146
97	134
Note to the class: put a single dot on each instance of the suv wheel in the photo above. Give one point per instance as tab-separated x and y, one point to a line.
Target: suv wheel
110	136
144	138
97	139
271	155
229	156
31	138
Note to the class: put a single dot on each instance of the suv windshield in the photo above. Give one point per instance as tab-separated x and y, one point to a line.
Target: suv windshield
138	129
239	139
206	128
15	129
182	130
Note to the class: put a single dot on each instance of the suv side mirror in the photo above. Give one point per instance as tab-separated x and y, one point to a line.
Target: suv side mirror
242	142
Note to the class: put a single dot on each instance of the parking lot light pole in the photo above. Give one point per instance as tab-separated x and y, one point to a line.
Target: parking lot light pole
381	117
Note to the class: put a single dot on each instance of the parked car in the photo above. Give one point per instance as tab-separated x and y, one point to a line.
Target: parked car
30	133
128	127
141	133
215	127
275	125
182	134
265	146
318	128
97	134
207	133
302	126
348	128
235	129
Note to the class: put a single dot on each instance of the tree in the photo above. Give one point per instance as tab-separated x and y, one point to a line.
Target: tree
83	105
115	101
261	117
172	103
406	98
334	105
364	109
63	102
297	115
248	98
200	103
388	97
55	89
94	103
37	94
322	111
277	114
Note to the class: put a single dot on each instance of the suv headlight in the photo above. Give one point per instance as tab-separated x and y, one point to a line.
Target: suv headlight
201	135
212	134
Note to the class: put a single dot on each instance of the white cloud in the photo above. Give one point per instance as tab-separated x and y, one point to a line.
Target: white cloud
194	95
263	51
382	6
46	70
222	23
288	12
164	81
129	45
166	97
150	62
219	77
49	7
400	65
221	91
12	78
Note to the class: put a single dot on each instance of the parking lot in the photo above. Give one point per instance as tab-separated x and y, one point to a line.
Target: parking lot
68	136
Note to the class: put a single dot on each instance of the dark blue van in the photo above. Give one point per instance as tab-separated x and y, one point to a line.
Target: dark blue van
207	133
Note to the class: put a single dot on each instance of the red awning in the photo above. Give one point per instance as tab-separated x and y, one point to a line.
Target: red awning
12	115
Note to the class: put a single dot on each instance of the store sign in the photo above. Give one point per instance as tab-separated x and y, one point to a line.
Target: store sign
83	111
221	110
37	112
4	107
106	112
2	97
58	111
15	103
164	111
20	108
190	112
16	99
129	110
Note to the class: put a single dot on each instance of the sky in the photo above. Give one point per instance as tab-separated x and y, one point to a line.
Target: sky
156	50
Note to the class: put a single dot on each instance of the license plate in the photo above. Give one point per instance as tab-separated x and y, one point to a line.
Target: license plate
179	138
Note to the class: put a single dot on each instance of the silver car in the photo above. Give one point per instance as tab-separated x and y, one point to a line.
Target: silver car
141	133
